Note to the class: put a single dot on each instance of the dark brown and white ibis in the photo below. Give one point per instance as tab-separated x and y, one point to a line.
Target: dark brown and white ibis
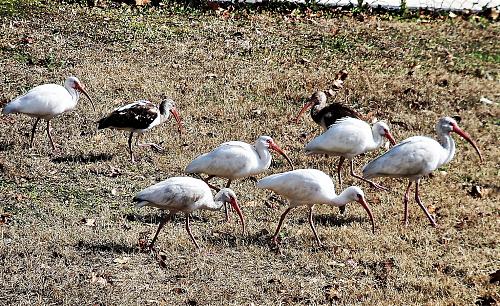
139	117
185	194
48	101
348	138
236	159
416	157
306	187
326	114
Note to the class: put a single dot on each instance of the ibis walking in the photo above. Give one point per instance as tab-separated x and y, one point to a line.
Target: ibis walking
48	101
416	157
139	117
325	115
348	138
236	159
306	187
185	194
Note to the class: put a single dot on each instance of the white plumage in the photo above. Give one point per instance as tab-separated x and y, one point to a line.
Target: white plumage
347	138
47	101
309	187
236	159
185	194
418	156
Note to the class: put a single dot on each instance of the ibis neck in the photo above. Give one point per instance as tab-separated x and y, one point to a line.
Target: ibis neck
315	112
264	156
448	145
216	203
340	200
75	95
377	139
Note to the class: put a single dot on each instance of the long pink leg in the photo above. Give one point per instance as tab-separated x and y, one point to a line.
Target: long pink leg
160	226
33	131
417	198
405	202
275	237
339	169
311	223
225	204
372	184
130	147
188	228
50	137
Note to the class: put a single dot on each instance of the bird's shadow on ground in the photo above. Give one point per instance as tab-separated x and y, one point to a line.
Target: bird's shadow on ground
105	247
156	218
234	239
83	158
333	220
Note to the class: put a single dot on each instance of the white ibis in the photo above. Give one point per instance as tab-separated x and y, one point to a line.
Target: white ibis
139	117
416	157
185	194
348	138
48	101
236	159
308	187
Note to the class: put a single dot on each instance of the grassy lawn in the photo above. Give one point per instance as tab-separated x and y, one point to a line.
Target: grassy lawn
69	232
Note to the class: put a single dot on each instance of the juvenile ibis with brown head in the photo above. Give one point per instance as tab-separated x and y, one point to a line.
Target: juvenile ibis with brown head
48	101
236	159
139	117
185	194
306	187
325	115
418	156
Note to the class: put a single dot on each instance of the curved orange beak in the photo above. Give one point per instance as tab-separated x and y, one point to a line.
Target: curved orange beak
306	106
234	204
467	137
81	88
362	201
275	147
177	117
388	135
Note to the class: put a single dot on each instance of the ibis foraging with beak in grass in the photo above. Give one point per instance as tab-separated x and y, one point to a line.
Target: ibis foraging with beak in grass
139	117
348	138
418	156
236	159
48	101
306	187
185	194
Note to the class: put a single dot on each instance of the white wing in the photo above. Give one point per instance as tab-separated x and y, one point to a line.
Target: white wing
226	159
176	193
413	157
302	186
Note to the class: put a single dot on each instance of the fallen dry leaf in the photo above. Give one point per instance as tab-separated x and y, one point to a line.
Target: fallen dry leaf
331	293
431	209
88	222
102	280
121	260
141	2
475	192
5	218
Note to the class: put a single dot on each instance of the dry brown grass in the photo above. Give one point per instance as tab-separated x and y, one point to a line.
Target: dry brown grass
219	72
